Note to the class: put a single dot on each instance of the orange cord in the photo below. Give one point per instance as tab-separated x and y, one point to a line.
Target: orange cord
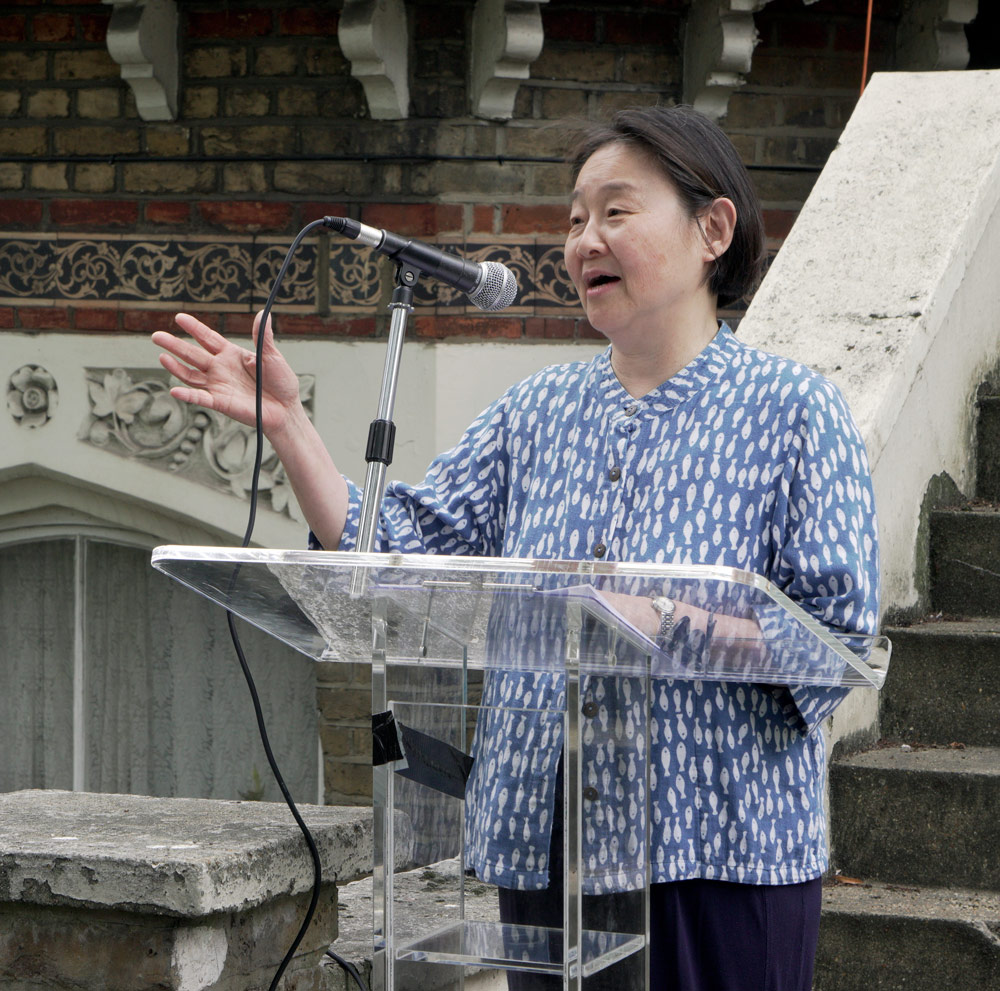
868	38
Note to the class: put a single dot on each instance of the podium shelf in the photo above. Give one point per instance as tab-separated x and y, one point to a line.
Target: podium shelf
516	947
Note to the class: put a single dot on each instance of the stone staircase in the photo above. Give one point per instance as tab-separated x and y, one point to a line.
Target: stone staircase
914	904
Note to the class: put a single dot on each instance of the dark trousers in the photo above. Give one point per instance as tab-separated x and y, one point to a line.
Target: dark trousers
704	935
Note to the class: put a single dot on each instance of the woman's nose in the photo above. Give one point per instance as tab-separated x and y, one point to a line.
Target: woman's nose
589	242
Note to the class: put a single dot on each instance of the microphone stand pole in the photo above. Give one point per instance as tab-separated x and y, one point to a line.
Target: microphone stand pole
382	431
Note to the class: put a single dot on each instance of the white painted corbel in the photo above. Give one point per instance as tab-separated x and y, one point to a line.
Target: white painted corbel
372	35
718	47
931	34
142	39
507	36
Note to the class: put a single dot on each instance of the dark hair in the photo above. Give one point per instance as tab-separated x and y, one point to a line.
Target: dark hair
701	162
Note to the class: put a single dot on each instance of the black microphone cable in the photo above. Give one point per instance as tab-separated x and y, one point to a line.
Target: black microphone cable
261	728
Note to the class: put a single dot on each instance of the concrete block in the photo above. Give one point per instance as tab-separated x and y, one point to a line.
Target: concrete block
886	284
925	816
172	856
944	684
891	937
130	893
965	561
988	449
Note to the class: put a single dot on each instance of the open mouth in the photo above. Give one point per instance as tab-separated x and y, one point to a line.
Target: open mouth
601	280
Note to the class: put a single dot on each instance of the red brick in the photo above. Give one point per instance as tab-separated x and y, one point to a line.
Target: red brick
53	27
234	324
639	29
13	28
101	320
247	215
550	328
6	316
849	37
44	317
570	25
414	219
20	213
308	21
308	212
168	213
547	219
316	326
89	213
482	218
803	33
94	27
440	21
777	223
229	24
489	328
146	321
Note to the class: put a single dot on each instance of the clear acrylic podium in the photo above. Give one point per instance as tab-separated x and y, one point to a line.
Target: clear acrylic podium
443	637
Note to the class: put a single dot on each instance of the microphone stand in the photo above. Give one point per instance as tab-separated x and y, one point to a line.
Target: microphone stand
382	431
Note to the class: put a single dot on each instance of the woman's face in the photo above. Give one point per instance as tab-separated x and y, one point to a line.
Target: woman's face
638	261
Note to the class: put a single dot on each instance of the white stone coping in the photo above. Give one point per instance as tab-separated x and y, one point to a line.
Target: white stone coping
171	856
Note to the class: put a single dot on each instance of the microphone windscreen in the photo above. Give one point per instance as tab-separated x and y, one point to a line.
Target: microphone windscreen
497	287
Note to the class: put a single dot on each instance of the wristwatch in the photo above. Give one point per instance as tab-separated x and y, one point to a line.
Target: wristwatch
665	607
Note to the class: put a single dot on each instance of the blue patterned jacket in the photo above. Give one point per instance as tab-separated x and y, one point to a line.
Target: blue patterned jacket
742	459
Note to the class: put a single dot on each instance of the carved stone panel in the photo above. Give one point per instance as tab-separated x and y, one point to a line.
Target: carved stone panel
31	396
133	415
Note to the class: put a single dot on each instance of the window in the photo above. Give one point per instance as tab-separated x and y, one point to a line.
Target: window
116	679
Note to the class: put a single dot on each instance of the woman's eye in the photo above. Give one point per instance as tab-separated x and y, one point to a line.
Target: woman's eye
575	221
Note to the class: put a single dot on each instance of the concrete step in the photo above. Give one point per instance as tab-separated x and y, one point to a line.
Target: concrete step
890	937
943	684
925	816
988	448
965	560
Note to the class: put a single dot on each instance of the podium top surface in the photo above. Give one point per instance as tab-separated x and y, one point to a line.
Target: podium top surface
521	613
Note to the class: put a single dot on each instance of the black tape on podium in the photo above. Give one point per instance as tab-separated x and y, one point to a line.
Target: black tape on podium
427	760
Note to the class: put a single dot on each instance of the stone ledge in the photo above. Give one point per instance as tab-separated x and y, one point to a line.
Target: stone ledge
170	856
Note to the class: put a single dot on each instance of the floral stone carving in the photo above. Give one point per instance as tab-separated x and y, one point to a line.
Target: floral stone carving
133	415
31	396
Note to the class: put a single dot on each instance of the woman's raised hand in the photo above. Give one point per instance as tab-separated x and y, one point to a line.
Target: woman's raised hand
222	376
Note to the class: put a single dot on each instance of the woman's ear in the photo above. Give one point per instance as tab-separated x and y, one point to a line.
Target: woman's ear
718	223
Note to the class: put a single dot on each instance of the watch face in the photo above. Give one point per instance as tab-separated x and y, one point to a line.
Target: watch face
663	605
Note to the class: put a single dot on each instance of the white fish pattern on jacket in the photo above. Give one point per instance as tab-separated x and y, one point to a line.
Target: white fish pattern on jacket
744	460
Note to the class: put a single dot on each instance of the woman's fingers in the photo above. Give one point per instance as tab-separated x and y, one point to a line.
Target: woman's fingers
196	397
209	339
193	354
192	376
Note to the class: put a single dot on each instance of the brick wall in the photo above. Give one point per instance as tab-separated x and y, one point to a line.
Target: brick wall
273	133
801	89
111	224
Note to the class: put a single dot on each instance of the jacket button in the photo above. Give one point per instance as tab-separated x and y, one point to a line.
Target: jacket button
590	709
590	794
615	473
600	550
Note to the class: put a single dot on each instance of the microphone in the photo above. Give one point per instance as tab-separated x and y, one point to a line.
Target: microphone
489	285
